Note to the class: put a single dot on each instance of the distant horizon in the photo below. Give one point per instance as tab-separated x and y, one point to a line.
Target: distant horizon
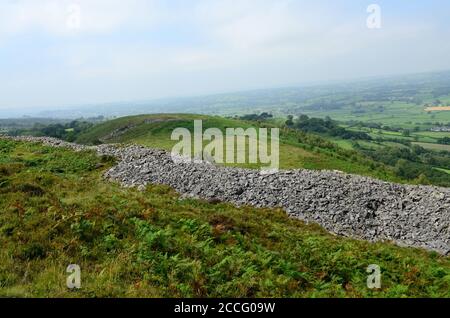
39	109
56	54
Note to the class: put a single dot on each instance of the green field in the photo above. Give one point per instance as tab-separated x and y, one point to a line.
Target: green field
57	210
296	150
436	147
309	143
420	136
396	114
413	155
444	170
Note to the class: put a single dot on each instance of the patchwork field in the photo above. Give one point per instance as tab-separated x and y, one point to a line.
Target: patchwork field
436	147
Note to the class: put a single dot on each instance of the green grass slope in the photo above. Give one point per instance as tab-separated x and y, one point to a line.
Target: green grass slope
56	210
297	150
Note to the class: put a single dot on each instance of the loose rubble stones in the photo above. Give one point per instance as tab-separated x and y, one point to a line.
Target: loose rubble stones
344	204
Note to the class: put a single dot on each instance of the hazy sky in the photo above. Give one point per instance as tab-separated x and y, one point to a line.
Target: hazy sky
56	52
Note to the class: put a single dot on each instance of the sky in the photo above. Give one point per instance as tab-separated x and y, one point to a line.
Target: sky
59	53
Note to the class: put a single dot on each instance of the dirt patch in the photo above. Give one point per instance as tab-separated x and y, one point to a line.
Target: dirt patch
437	108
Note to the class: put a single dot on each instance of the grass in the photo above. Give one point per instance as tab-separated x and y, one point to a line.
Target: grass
396	113
436	147
421	136
295	151
56	210
434	134
443	170
425	139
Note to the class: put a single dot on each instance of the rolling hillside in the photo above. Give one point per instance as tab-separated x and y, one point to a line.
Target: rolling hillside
297	150
394	100
58	210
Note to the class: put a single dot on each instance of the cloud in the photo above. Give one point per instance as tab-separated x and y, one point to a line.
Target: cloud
249	26
56	16
140	49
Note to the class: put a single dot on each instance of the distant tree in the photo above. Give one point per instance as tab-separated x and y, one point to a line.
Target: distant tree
265	116
303	118
444	141
290	121
256	117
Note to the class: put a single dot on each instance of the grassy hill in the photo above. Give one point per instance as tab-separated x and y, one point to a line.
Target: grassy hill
297	149
57	210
